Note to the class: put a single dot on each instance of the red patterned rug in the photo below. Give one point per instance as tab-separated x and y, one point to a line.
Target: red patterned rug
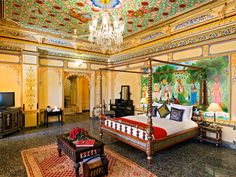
45	162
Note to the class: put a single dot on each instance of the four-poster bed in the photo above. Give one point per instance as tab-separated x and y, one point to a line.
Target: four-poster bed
140	135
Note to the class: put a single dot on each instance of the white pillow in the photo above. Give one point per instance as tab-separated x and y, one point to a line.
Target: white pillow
188	111
158	105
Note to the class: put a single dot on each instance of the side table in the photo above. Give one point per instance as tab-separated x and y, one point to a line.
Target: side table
59	115
217	130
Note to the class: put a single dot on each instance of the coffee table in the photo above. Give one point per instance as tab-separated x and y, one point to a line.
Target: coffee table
77	154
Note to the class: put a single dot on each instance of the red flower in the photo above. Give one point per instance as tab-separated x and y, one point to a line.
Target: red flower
77	133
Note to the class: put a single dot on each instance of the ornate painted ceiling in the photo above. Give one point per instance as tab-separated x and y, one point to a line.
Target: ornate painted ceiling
71	17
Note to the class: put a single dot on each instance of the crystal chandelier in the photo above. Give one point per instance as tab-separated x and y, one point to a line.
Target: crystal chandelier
106	33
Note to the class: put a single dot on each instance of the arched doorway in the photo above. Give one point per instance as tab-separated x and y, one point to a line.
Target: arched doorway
76	93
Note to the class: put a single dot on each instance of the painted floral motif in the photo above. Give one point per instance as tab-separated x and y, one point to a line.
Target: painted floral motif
30	88
64	16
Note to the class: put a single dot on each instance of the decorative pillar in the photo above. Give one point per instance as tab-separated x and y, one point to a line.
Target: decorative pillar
100	102
149	150
30	90
201	91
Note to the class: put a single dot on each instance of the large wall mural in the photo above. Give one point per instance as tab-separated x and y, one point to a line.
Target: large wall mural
183	87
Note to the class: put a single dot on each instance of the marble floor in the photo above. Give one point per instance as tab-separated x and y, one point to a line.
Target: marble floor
188	159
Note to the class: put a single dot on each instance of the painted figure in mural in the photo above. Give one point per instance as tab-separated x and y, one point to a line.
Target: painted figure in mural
156	92
144	91
165	90
193	98
216	91
180	91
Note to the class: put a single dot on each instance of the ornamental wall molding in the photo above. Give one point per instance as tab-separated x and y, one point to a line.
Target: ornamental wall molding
8	22
10	47
207	32
13	42
16	34
64	54
29	36
198	19
77	74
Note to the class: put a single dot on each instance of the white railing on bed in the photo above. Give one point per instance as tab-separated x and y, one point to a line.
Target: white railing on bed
130	129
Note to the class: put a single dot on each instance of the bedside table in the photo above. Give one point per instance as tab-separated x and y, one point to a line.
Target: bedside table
210	129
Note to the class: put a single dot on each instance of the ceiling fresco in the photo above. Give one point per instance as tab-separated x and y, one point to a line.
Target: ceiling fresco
71	17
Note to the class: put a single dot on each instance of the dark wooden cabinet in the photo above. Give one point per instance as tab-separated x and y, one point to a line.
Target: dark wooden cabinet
123	106
10	120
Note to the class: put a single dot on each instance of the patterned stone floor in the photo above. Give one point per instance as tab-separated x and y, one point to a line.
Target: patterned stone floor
188	159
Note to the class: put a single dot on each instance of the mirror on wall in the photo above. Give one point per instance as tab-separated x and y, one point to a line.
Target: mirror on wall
125	94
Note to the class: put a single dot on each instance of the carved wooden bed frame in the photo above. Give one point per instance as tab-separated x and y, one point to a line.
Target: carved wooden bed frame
144	142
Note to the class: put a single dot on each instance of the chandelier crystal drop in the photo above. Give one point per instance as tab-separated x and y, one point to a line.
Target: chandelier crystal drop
107	33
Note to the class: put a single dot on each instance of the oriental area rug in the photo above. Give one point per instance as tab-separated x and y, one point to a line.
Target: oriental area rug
44	161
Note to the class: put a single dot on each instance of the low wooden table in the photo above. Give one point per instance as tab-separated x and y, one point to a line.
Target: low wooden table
77	154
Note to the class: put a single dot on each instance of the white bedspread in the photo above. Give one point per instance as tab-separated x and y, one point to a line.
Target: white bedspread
170	126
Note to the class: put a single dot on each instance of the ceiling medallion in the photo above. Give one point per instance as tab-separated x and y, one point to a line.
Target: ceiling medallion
106	29
106	4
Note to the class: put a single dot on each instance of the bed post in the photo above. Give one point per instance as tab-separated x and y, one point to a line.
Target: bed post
100	103
200	94
149	150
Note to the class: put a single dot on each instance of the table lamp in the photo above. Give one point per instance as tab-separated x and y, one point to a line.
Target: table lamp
143	101
214	107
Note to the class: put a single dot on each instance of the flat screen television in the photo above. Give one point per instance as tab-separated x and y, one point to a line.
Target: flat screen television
7	99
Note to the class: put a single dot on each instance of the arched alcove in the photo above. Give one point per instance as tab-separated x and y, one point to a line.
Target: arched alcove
76	93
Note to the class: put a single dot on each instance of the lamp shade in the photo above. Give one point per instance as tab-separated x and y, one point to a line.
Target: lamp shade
214	107
144	101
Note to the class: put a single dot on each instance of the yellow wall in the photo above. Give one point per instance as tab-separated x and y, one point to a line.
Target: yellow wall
50	87
105	88
82	94
133	80
10	80
55	87
67	87
85	93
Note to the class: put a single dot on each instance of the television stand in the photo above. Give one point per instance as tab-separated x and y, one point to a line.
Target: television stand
10	121
3	108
